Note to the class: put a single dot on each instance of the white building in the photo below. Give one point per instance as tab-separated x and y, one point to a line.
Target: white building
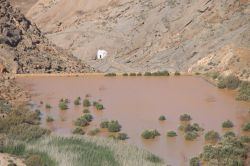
101	54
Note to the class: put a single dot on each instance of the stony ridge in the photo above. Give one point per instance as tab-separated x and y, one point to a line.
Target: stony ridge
23	48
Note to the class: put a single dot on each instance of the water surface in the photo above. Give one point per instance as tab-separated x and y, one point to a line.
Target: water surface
137	103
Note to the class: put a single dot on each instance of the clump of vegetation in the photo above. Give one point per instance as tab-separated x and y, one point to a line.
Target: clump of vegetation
77	101
229	134
159	73
150	134
81	122
86	103
162	118
230	151
139	74
227	124
112	126
110	75
195	161
125	74
171	134
86	111
88	117
34	160
48	106
78	130
94	132
191	131
132	74
49	119
185	117
63	104
212	136
246	127
245	139
122	136
230	82
98	106
244	92
177	73
147	74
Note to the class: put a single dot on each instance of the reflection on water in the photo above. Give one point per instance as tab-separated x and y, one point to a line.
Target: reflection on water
137	104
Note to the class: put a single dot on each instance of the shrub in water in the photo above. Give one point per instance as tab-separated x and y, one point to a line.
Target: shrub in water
49	119
110	75
246	127
230	82
63	105
227	124
185	117
122	136
86	103
86	111
229	134
125	74
99	106
78	130
191	135
104	124
114	126
132	74
244	92
81	122
139	74
162	118
177	73
88	117
150	134
48	106
147	74
171	134
212	136
77	101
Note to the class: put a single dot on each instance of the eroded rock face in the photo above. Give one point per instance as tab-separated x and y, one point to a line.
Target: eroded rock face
151	35
22	43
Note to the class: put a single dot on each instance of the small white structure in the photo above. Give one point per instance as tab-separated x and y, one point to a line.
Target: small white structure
101	54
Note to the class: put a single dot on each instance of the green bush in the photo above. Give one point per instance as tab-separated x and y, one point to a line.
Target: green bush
161	73
212	136
171	134
194	161
78	130
230	82
227	124
86	111
229	134
99	106
191	135
104	124
245	139
15	149
132	74
86	103
122	136
77	101
88	117
114	126
150	134
162	118
177	73
81	122
49	119
125	74
185	117
63	105
244	92
154	159
48	106
110	75
246	127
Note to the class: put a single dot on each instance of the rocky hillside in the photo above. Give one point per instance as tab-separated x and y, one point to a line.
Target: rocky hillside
23	49
141	35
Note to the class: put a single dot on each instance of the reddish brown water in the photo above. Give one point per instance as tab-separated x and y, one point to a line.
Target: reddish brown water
137	104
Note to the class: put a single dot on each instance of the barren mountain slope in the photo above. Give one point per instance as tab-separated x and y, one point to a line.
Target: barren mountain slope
23	49
150	35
